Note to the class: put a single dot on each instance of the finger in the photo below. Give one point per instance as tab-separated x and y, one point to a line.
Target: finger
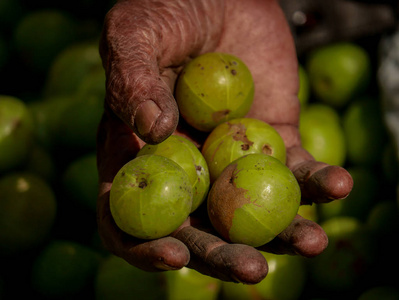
319	182
212	256
143	46
116	145
155	255
302	237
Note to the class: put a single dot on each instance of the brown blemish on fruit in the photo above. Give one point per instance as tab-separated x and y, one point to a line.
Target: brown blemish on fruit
267	149
239	133
224	198
220	115
233	72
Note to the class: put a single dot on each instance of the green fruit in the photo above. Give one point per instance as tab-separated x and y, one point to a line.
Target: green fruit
322	134
16	133
309	212
80	181
64	268
361	199
71	68
187	283
47	115
185	154
214	88
239	137
337	72
150	197
284	271
346	261
383	219
254	199
365	131
27	212
41	35
304	86
380	293
118	280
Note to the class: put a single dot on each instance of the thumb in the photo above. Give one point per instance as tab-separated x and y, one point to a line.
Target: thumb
136	90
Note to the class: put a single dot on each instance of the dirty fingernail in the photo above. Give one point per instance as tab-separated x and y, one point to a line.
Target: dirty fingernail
146	115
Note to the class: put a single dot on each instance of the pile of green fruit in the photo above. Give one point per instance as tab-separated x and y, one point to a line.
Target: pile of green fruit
49	245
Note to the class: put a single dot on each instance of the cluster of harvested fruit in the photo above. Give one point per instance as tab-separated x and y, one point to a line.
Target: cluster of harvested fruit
240	170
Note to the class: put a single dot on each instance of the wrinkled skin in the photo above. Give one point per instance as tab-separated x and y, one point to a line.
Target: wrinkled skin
144	46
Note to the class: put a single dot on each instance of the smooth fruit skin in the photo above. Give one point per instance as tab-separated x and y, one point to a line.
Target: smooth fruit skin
188	283
16	132
214	88
322	134
187	155
150	197
365	131
28	210
117	279
64	268
337	72
254	199
236	138
304	86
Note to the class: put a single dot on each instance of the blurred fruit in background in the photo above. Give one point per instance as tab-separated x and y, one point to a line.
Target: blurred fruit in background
361	199
80	181
71	67
27	212
118	280
346	262
337	72
63	269
41	34
285	280
304	86
322	134
16	133
365	131
189	284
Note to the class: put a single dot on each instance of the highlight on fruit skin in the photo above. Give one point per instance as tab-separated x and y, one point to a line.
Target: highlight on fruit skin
254	199
150	197
189	157
238	137
214	88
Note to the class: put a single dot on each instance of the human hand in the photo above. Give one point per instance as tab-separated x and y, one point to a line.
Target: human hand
145	44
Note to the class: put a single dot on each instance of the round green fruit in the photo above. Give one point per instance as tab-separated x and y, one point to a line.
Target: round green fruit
64	268
236	138
337	72
365	131
361	199
116	279
214	88
348	258
188	283
16	133
41	35
80	181
27	212
254	199
384	292
150	197
304	86
187	155
322	134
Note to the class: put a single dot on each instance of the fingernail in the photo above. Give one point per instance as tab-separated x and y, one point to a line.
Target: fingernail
146	115
162	266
